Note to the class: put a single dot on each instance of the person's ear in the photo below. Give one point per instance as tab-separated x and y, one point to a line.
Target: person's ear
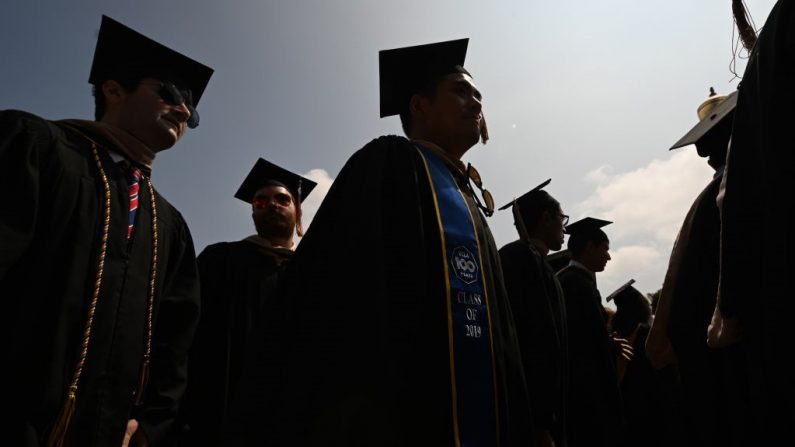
418	105
114	93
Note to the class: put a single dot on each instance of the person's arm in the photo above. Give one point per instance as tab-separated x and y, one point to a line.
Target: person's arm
659	350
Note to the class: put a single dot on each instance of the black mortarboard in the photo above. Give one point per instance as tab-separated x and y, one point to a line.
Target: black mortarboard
123	53
715	123
586	226
621	291
526	198
265	173
405	71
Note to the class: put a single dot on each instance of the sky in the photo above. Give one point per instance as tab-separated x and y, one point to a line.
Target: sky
589	94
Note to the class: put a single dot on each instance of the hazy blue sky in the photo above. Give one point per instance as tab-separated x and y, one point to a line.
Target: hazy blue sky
588	93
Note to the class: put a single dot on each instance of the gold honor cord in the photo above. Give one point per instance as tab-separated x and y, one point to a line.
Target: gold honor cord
57	435
144	375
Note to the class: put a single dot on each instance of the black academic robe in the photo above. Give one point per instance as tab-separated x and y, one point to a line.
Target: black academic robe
757	242
50	228
594	410
711	380
540	315
236	280
361	345
651	405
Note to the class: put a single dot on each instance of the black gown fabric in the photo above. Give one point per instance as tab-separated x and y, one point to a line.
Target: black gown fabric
359	353
652	406
594	411
713	388
50	228
540	316
756	241
237	279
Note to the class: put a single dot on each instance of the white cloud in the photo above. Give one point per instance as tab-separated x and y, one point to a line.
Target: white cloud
647	206
639	262
310	206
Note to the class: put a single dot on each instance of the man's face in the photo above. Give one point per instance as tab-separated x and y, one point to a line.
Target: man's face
149	118
274	212
597	255
555	222
454	114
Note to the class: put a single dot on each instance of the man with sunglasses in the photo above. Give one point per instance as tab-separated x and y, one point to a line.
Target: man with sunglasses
538	308
396	326
100	267
236	283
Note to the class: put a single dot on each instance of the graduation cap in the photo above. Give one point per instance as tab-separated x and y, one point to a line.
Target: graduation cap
265	173
527	198
586	226
621	291
125	54
406	71
714	126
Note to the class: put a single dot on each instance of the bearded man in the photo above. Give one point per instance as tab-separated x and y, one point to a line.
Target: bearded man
236	280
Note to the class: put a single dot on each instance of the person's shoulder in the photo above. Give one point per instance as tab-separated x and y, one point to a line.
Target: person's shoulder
380	162
564	271
516	249
384	147
387	142
569	274
25	121
219	250
168	213
21	116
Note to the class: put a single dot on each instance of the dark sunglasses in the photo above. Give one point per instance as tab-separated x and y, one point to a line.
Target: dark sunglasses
262	202
171	95
487	206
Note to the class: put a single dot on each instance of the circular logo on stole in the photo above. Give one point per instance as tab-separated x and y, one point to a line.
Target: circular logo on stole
465	265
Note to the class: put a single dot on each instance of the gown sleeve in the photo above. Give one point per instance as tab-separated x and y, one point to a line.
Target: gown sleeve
24	139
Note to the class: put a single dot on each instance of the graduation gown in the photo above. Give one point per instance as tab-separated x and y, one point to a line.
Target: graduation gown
540	315
236	280
756	242
594	410
50	228
651	406
362	353
712	387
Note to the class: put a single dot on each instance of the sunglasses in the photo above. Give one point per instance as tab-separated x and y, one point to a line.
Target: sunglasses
262	202
487	205
171	95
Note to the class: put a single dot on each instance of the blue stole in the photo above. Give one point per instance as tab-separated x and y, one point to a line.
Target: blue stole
468	318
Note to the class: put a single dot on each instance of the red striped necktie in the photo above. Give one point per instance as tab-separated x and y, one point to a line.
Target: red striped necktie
134	183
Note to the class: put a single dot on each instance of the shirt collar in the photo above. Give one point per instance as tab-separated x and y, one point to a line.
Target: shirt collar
262	242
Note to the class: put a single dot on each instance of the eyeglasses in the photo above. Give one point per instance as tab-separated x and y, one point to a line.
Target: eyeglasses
171	95
262	202
564	219
488	208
